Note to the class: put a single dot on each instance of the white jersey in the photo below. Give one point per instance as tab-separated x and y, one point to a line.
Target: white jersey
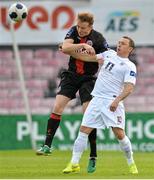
113	74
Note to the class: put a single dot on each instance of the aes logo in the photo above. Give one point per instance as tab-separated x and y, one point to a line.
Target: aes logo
123	21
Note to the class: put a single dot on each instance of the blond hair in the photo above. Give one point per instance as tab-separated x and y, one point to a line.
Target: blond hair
86	17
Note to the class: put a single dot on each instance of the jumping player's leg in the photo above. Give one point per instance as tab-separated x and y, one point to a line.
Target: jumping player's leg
54	120
93	151
92	140
67	91
53	123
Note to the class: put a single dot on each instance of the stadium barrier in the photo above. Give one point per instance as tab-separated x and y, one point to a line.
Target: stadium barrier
15	133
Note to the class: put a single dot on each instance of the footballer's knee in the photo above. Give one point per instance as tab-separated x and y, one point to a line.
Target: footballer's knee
86	130
119	133
58	109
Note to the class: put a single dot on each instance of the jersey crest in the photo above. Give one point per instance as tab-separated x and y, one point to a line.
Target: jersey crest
132	73
89	42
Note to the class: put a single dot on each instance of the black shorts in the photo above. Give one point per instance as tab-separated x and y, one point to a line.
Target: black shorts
72	82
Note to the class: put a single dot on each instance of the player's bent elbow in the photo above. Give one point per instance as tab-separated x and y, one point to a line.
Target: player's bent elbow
65	50
130	89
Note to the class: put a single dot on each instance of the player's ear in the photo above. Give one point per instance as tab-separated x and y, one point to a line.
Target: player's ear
130	50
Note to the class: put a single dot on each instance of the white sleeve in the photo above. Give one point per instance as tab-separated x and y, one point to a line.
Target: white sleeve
99	56
105	53
130	74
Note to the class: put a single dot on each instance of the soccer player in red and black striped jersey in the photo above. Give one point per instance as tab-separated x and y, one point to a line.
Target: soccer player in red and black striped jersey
79	77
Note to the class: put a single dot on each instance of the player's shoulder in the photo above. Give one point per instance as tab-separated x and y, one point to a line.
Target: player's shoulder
73	28
110	52
97	34
130	64
107	54
71	31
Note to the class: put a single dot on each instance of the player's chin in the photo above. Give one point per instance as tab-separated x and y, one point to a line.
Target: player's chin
82	35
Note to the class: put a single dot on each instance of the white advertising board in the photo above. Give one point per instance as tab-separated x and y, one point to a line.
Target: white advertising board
49	21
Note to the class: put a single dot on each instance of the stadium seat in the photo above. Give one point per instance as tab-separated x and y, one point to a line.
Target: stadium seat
43	53
43	64
50	63
5	72
45	72
36	84
26	54
135	100
144	51
61	58
149	90
31	62
8	63
9	84
6	54
3	94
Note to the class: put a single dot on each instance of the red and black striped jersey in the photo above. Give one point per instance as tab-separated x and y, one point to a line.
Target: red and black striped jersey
96	40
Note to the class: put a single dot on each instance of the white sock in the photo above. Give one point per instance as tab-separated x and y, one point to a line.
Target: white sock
79	146
126	147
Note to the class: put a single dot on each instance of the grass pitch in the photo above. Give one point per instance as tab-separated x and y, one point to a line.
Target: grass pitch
25	164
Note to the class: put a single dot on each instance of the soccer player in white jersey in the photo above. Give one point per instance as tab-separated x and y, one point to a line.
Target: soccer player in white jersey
115	82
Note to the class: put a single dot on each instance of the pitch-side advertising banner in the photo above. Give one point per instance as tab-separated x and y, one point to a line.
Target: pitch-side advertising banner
15	132
48	21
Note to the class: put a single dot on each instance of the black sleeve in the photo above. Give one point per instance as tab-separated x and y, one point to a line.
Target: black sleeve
102	44
71	34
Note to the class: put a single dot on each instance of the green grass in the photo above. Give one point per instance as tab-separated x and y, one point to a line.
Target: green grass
25	164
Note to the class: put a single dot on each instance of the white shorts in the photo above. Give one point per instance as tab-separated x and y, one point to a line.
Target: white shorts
98	114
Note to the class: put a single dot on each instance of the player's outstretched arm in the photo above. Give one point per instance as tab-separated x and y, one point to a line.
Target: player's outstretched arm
69	47
87	57
84	56
80	51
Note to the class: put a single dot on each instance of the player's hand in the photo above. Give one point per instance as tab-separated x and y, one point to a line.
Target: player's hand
60	46
101	61
114	105
89	49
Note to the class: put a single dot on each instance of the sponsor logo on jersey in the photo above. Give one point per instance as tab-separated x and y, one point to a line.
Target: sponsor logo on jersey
89	42
132	73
